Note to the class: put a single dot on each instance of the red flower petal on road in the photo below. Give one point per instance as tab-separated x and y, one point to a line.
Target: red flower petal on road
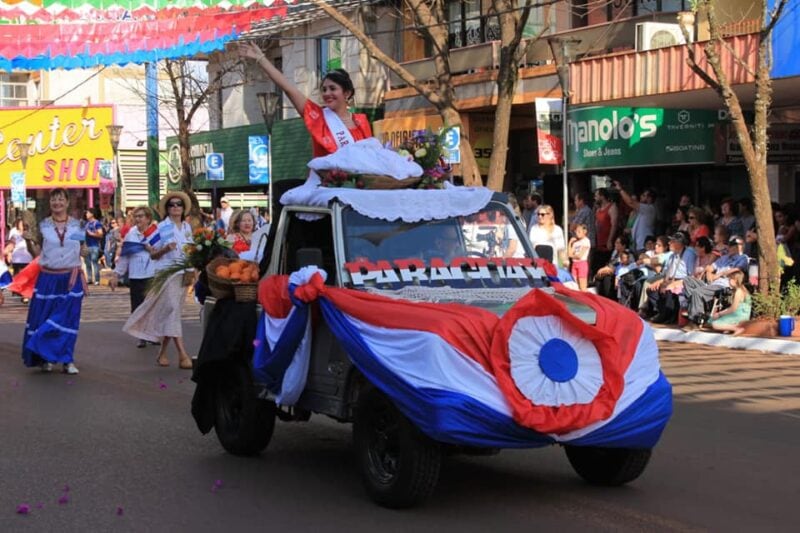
23	508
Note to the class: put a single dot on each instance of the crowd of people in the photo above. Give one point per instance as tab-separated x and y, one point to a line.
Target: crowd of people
669	264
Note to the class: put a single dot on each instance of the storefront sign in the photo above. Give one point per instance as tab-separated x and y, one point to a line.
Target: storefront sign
258	163
68	145
396	131
549	130
614	137
783	145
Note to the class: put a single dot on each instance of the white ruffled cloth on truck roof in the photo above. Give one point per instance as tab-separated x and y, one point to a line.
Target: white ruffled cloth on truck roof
368	157
408	205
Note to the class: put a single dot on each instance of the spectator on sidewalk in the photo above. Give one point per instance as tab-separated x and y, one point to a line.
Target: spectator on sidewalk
604	279
697	293
721	238
584	215
579	248
731	318
530	203
644	224
606	218
729	218
547	233
663	293
697	224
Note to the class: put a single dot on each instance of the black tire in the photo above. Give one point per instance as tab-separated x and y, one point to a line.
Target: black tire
243	423
608	466
399	466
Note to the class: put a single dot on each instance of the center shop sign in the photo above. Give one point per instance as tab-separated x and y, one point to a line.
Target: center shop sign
69	145
615	137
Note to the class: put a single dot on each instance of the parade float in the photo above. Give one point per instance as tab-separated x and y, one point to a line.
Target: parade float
423	317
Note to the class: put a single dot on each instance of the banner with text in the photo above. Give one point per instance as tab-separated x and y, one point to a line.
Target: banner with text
549	130
614	137
783	145
68	145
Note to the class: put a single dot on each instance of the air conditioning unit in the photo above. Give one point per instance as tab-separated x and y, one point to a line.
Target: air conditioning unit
652	35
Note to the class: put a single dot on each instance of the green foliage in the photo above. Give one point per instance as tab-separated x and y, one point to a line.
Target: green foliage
776	302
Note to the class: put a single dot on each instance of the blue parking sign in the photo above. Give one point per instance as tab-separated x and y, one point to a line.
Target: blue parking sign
215	167
450	143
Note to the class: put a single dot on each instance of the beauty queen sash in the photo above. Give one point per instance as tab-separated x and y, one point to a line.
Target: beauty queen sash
341	135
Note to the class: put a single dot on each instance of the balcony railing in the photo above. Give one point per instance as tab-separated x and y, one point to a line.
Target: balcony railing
655	72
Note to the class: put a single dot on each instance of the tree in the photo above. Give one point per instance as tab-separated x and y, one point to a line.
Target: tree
439	91
752	137
186	89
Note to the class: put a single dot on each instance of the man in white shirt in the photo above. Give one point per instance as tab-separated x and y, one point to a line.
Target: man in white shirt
644	225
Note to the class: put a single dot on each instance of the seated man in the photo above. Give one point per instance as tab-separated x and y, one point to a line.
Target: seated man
663	293
697	293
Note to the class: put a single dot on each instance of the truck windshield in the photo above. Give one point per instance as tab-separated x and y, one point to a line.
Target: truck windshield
485	249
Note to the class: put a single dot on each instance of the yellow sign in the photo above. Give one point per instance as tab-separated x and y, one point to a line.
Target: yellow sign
397	130
67	145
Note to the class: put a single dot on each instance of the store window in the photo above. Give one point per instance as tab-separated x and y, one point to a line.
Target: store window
329	54
13	90
645	7
541	20
464	17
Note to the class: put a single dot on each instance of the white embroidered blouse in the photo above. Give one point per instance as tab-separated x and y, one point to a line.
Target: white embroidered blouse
61	250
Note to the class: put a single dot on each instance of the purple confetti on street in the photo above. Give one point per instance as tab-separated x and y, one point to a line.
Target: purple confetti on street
23	508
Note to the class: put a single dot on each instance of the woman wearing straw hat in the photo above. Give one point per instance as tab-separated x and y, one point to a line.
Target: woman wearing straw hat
158	318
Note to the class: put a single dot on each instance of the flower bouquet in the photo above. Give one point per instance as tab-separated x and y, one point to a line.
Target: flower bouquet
206	245
426	149
342	178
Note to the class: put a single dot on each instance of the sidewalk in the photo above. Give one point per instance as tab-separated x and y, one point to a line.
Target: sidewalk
777	345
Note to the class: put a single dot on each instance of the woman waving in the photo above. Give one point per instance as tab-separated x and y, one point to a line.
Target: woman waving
332	126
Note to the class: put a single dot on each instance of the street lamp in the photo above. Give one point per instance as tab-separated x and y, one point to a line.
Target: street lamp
564	51
114	134
269	103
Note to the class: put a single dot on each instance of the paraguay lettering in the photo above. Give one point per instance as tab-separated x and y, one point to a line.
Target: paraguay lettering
459	271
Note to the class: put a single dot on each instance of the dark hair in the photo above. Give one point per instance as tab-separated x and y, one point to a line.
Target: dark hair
731	203
704	243
585	197
59	191
650	238
747	203
624	240
341	78
685	210
664	240
603	191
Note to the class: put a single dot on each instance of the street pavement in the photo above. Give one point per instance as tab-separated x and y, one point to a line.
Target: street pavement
115	448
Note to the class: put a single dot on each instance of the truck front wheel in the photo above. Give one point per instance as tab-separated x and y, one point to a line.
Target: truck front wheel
243	423
399	465
608	466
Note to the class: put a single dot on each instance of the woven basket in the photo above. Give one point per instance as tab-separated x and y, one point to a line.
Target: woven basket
227	288
245	292
375	181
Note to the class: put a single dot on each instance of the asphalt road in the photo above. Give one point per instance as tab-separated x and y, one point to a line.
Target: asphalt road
115	448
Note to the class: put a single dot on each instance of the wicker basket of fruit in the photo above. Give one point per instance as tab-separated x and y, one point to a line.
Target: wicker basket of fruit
235	278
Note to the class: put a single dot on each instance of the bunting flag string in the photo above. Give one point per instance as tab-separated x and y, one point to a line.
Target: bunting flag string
82	37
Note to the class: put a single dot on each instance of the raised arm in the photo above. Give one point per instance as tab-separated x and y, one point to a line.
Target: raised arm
251	50
633	204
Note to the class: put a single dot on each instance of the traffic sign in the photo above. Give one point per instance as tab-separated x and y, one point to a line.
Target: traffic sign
451	140
215	167
18	188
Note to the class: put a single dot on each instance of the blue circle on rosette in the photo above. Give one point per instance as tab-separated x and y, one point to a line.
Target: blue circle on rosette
558	360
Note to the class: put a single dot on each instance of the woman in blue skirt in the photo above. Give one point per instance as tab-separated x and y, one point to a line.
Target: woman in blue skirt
54	313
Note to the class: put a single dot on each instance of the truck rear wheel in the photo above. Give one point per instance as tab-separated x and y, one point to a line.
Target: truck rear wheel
243	423
399	466
608	466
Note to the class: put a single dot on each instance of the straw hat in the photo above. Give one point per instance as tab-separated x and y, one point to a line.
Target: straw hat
182	196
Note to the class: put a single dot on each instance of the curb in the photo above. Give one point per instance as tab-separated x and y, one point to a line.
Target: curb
758	344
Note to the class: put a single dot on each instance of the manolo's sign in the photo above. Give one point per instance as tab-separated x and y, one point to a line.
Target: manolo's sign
68	145
613	137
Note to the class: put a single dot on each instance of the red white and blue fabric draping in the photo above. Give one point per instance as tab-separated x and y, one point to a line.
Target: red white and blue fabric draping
66	44
535	376
151	237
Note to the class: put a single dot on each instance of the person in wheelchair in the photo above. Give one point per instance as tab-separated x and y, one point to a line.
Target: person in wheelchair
698	293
